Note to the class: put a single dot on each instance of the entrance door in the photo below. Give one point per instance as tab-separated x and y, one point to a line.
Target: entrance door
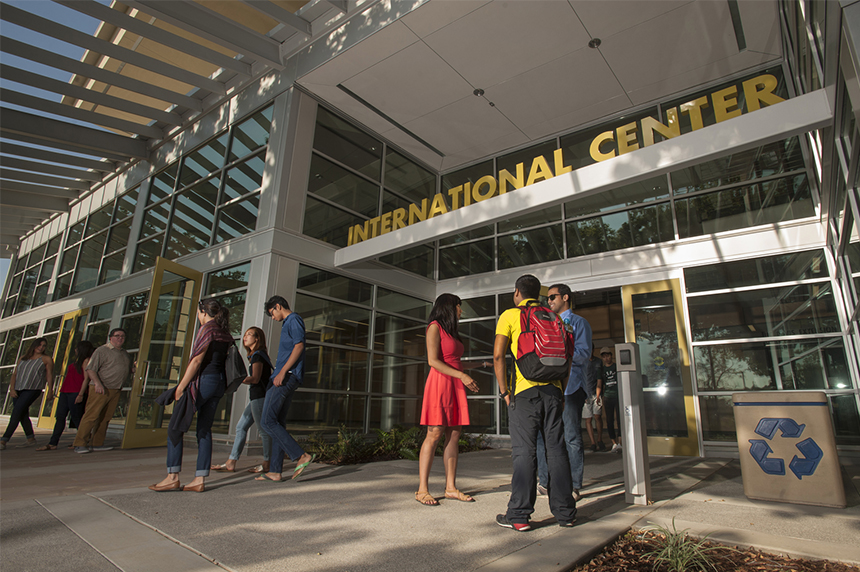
165	345
654	319
71	332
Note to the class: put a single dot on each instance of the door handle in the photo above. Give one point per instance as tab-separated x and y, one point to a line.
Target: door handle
145	379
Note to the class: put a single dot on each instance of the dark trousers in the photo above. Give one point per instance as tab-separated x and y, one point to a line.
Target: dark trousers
610	409
539	410
572	418
66	406
21	412
275	407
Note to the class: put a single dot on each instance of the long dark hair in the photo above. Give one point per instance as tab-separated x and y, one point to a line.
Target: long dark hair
214	309
444	312
83	352
261	340
32	349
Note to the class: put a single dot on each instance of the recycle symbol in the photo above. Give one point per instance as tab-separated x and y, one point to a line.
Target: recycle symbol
800	466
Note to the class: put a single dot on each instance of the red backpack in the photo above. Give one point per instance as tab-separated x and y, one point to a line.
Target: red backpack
545	346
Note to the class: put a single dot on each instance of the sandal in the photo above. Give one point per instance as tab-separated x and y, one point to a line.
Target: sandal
426	498
301	468
457	495
222	468
47	447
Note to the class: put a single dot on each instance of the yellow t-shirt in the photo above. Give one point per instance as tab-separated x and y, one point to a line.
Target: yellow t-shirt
509	326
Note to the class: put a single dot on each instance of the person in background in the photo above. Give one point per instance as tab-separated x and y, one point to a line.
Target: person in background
71	398
29	378
445	409
109	369
593	408
536	407
609	376
204	383
254	342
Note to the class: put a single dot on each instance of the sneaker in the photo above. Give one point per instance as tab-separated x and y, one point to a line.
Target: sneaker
576	496
616	448
601	446
567	524
503	521
542	490
102	448
81	450
594	448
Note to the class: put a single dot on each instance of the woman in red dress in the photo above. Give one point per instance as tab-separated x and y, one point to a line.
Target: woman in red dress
445	410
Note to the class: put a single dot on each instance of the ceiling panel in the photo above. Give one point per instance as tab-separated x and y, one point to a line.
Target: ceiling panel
760	21
501	40
437	15
609	17
392	85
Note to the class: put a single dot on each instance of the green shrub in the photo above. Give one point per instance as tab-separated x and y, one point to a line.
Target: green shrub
678	551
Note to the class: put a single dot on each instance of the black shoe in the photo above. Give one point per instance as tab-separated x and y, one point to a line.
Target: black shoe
601	446
594	448
503	521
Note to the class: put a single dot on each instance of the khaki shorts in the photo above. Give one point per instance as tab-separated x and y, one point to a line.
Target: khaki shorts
592	408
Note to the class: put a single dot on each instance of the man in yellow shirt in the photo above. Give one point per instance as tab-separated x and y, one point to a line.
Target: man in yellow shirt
535	407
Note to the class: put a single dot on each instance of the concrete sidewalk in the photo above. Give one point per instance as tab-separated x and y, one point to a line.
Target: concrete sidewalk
63	511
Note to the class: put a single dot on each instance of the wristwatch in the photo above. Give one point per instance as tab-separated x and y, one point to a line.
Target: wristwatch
502	395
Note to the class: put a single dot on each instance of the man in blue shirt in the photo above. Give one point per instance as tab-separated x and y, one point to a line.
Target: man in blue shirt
286	378
560	297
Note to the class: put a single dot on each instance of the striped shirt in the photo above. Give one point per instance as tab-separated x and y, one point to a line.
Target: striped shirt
31	374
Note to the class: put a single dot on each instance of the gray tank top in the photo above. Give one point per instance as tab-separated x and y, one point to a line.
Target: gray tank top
31	374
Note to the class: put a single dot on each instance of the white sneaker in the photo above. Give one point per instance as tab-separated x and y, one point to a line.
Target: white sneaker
616	448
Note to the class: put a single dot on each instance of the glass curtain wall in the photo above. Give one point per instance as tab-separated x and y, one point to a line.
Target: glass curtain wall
768	324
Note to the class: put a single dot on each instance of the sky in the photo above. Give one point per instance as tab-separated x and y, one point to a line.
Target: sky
57	13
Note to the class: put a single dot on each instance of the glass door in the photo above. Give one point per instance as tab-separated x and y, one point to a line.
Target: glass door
71	332
165	345
654	319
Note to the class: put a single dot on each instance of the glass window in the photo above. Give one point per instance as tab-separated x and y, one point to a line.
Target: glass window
76	231
466	259
346	189
155	219
111	268
767	203
467	175
47	269
333	322
468	235
531	247
251	134
347	144
193	215
13	343
544	216
243	178
126	204
628	195
636	227
92	250
335	368
718	418
396	335
408	178
390	301
765	270
203	162
510	161
791	310
147	252
576	147
119	235
386	412
478	307
227	279
846	421
238	219
100	219
418	260
162	185
333	285
325	412
478	338
327	223
235	303
69	259
399	375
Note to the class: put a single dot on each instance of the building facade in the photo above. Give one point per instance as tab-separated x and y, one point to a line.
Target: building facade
714	225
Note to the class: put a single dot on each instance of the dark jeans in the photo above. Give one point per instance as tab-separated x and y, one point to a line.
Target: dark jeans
212	388
610	409
572	418
66	405
275	408
21	412
539	410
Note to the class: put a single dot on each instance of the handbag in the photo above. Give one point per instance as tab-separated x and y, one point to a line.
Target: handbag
235	368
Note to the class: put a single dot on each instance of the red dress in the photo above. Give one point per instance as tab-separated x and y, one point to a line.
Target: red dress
445	400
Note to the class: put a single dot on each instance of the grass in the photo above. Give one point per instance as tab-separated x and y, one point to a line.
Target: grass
678	551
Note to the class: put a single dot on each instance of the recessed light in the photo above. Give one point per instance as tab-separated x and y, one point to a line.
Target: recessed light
594	43
479	92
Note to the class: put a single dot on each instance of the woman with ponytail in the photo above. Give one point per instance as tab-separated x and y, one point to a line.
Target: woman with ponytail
445	410
72	391
200	389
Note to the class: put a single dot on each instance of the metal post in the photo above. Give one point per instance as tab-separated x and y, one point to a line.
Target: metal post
634	451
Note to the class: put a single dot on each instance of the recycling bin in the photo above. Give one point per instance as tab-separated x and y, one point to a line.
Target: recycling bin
787	448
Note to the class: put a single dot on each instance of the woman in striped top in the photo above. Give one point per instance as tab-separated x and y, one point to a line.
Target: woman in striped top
30	377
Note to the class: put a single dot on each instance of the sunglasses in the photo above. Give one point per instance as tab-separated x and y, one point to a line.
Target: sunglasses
552	297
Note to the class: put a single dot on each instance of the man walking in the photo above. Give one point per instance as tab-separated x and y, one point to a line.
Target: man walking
535	407
286	378
109	369
609	376
560	298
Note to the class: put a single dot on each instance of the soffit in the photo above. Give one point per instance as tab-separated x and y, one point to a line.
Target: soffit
532	62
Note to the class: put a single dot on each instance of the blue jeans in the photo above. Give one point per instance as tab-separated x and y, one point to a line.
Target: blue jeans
253	414
66	406
212	388
21	413
274	418
572	417
534	411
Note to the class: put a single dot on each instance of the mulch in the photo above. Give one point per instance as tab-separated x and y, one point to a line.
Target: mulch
629	554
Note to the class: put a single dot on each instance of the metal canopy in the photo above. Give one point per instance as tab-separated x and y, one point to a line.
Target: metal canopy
111	113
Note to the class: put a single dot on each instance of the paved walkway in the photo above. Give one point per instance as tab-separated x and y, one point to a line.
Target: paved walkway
63	511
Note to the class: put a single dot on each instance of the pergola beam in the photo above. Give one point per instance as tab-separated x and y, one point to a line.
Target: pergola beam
45	155
283	16
79	114
210	25
33	53
35	167
44	26
158	35
37	179
36	189
50	130
25	201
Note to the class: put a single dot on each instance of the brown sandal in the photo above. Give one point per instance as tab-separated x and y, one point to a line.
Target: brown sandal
426	498
457	495
47	447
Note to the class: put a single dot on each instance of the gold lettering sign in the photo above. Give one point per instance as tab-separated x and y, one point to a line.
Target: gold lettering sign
757	91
